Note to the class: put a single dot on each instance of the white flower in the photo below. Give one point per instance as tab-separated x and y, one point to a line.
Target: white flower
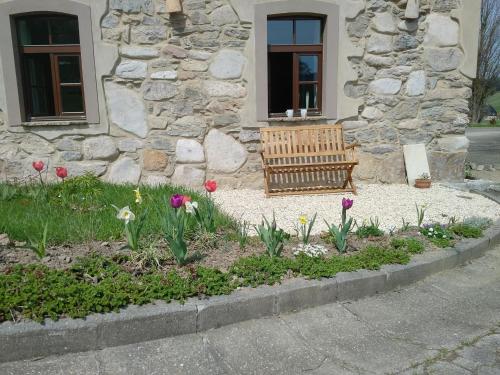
126	215
191	207
431	229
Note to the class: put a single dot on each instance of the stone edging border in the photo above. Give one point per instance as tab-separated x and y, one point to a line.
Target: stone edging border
155	321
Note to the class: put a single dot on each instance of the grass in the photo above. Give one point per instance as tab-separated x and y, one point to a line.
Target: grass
98	284
81	210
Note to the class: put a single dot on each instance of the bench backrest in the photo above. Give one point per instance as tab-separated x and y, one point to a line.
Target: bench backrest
303	141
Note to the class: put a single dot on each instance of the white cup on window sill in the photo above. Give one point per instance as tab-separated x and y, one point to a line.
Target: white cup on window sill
289	113
303	113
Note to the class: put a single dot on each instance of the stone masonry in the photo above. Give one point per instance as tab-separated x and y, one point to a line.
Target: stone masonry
177	97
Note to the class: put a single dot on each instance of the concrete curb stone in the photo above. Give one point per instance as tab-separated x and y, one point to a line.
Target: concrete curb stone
150	322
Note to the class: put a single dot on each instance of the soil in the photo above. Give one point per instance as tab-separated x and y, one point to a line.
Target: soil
213	252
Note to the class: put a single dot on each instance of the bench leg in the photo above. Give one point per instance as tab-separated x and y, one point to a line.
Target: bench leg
266	182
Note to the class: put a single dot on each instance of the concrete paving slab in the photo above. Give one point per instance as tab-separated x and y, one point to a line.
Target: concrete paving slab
343	337
266	346
416	162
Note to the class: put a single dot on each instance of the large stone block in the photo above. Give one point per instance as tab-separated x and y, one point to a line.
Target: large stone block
379	43
188	126
227	64
99	148
148	34
97	168
443	59
384	23
139	52
372	113
385	86
185	175
442	31
124	171
223	15
217	88
154	160
159	90
189	151
446	166
132	69
224	153
416	83
126	109
456	143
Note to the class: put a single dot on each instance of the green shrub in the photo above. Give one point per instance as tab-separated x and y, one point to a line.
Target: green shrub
370	230
410	245
97	284
478	222
467	231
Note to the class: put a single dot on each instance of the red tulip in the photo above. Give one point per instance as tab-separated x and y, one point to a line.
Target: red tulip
210	186
185	199
61	172
38	165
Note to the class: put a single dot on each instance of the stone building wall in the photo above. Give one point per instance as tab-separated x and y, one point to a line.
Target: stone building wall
179	98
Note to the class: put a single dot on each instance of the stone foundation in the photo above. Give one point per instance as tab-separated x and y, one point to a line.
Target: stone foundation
179	100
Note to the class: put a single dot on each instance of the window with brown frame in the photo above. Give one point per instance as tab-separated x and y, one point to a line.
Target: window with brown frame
49	50
295	64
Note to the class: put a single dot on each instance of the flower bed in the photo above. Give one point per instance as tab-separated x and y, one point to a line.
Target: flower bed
83	246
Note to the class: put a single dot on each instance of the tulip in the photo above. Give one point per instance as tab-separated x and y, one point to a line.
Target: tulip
176	201
185	199
61	172
210	186
347	203
38	165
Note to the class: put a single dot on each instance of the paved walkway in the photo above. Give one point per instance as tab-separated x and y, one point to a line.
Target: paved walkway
447	324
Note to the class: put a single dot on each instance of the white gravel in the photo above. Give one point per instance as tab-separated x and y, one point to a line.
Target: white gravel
390	203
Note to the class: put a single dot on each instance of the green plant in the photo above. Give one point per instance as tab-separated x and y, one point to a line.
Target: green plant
406	225
305	227
478	222
410	245
39	245
339	234
242	233
272	236
420	214
467	231
132	227
437	234
468	171
81	192
370	230
174	228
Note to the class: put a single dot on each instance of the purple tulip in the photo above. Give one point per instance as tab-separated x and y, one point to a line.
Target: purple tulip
176	201
347	203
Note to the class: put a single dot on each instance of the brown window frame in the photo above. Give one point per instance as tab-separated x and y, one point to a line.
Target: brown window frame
54	51
298	50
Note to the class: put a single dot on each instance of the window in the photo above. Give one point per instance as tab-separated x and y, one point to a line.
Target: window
50	60
295	59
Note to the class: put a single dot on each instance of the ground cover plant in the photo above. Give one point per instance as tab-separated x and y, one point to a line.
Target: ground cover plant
109	246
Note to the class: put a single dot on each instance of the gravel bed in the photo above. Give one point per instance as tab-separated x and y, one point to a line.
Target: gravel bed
390	203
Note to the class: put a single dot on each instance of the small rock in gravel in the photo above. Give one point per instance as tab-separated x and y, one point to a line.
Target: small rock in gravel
64	258
489	168
20	243
105	244
4	239
473	166
480	167
47	259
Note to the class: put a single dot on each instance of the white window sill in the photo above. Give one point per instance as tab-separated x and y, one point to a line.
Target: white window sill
296	119
54	123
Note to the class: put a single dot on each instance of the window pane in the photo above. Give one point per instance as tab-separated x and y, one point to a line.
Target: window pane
308	31
308	96
72	100
280	82
32	31
280	32
38	83
69	69
308	68
65	30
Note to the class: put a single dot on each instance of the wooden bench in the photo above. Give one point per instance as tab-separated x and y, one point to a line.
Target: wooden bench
307	160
